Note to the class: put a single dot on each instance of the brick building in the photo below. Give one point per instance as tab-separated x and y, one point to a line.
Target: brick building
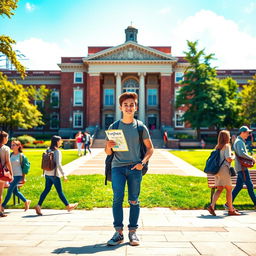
84	92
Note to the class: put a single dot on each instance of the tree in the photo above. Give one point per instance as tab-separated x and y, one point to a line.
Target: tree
201	94
6	8
16	107
249	101
233	104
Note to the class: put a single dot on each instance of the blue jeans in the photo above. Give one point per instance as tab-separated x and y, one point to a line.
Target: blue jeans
14	189
119	177
49	181
239	185
87	146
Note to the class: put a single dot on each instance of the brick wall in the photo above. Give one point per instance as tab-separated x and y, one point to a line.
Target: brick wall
93	100
166	96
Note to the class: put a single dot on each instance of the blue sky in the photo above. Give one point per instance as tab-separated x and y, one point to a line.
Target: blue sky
45	30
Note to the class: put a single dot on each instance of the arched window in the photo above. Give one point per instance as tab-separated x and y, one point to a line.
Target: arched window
131	85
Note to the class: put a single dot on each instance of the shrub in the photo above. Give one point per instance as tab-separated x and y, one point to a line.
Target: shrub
183	136
24	139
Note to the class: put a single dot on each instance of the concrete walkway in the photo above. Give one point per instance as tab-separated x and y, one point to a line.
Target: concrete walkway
162	162
162	232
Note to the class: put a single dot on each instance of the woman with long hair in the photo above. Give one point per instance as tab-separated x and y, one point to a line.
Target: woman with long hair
223	177
52	177
17	158
5	161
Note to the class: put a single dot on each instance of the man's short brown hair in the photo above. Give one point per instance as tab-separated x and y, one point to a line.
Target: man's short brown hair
128	95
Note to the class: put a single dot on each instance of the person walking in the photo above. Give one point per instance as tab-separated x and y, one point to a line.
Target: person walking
53	177
243	175
18	160
5	162
223	177
79	142
126	168
87	142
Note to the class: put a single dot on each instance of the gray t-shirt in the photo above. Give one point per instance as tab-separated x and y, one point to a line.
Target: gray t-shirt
132	138
16	165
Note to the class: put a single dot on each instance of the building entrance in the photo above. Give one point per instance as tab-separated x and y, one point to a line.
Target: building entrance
109	119
152	121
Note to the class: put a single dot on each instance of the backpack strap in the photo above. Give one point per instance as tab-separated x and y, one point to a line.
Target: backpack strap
140	128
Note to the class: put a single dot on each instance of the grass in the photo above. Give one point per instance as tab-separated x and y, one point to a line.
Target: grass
195	157
175	192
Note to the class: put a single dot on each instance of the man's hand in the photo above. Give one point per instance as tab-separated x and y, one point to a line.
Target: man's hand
138	167
110	144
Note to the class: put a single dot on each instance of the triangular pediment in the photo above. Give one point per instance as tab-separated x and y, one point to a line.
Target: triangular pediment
130	51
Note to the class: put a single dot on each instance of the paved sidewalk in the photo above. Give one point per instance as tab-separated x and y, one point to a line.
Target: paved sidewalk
162	232
162	162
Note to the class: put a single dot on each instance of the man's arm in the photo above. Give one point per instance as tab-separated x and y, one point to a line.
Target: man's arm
149	153
109	145
240	149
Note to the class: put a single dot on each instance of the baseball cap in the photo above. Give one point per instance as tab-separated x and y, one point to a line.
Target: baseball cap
244	129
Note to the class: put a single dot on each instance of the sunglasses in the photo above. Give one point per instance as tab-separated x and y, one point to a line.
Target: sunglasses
15	145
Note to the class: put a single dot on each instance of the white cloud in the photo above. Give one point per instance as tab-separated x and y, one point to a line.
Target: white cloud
233	47
45	55
40	54
30	7
250	8
165	11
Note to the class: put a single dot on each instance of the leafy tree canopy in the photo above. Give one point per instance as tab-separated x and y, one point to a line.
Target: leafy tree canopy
16	107
249	101
6	10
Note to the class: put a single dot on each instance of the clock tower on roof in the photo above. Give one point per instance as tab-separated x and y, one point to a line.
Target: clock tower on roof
131	34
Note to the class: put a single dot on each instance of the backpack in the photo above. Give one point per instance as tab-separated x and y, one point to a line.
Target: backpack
143	150
48	163
24	163
213	163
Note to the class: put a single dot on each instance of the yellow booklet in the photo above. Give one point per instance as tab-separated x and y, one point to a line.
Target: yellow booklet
118	137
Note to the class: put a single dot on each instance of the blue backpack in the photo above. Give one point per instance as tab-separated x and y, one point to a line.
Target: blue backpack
143	150
213	163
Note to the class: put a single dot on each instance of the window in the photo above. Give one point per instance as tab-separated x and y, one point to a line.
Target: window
179	76
131	85
179	119
176	93
78	97
39	104
152	97
78	119
55	98
54	121
108	97
78	77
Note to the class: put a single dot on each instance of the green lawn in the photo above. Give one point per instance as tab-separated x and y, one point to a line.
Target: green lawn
175	192
195	157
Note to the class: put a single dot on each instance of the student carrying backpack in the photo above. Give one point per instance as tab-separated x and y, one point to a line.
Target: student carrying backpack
127	167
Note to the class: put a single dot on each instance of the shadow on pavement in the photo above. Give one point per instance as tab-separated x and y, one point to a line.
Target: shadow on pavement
44	215
88	249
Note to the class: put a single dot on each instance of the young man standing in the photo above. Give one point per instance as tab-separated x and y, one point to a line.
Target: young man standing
126	167
243	175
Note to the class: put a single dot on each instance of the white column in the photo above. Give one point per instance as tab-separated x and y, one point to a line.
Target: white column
118	93
142	97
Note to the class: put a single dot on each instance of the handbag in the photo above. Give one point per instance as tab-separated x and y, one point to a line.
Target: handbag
5	174
232	171
245	162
